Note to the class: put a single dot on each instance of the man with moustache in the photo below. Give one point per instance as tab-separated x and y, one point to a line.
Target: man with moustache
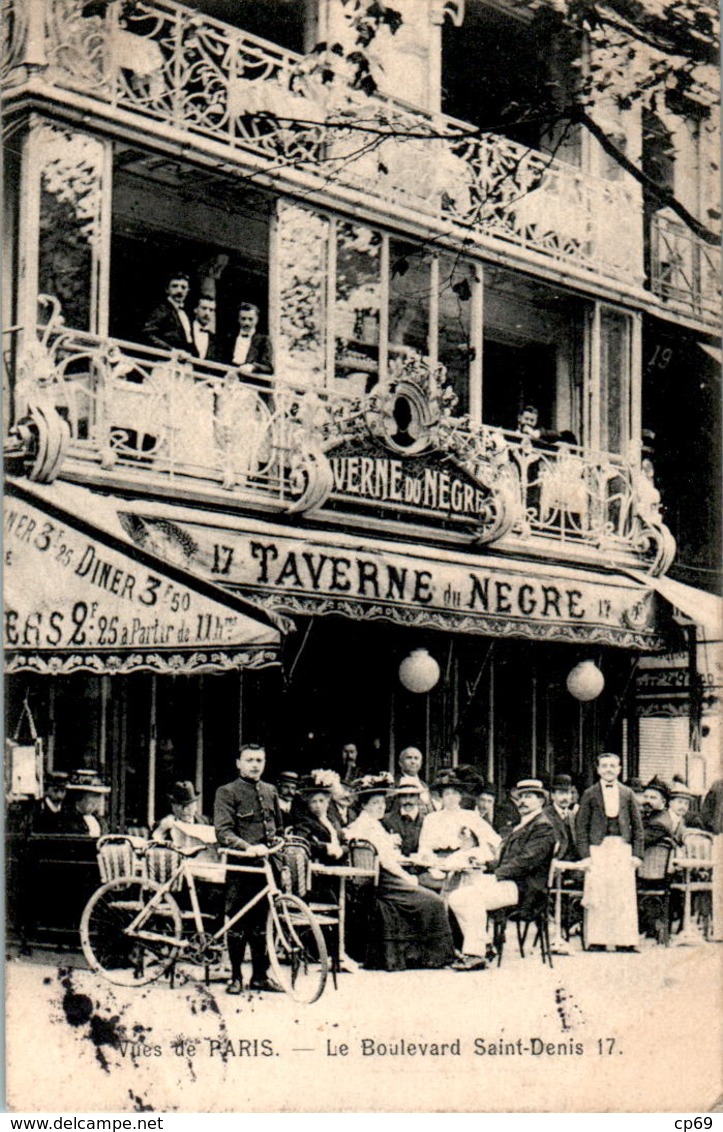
411	760
248	819
517	880
168	327
558	811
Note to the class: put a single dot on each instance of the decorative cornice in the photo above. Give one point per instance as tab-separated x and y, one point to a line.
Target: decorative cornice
115	664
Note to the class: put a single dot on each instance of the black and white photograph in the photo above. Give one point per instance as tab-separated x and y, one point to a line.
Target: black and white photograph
363	630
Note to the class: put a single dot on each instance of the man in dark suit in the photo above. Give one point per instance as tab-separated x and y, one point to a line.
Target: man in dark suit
203	330
406	818
247	818
658	825
411	761
518	879
610	842
168	327
246	349
49	815
558	811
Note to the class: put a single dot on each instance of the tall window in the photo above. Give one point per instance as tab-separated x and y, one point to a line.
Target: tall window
614	379
358	305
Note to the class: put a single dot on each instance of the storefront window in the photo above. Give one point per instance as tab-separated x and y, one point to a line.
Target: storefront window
357	311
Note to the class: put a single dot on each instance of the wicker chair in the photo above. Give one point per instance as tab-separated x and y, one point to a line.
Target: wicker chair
116	857
297	878
654	881
695	884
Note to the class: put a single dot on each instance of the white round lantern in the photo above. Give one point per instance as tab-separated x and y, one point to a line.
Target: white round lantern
585	681
419	671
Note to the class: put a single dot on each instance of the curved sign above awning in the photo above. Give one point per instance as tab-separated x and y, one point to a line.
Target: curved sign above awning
77	598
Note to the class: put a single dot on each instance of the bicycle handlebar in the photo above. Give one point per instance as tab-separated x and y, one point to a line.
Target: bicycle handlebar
272	849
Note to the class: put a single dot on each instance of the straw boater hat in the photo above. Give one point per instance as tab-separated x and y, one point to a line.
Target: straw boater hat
87	782
408	787
289	776
530	786
182	794
681	790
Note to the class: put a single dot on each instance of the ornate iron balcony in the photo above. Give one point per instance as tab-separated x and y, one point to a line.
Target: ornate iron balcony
161	423
683	270
191	75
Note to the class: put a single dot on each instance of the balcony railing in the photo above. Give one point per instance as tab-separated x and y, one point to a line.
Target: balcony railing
163	423
683	270
195	75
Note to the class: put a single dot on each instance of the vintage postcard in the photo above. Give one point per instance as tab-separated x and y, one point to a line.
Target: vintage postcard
361	373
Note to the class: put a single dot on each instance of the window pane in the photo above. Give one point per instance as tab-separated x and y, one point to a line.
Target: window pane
358	303
409	289
614	378
302	265
456	286
70	217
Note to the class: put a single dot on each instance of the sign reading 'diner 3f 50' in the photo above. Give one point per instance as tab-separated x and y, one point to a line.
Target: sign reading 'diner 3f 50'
329	575
68	590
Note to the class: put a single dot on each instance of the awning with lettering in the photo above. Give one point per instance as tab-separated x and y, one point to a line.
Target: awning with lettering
80	598
293	570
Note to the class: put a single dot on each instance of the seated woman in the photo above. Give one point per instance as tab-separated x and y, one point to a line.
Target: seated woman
309	817
410	928
442	832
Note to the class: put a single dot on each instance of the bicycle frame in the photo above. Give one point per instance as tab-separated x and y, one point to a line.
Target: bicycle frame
184	873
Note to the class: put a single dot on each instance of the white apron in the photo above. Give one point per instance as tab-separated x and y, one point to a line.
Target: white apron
610	897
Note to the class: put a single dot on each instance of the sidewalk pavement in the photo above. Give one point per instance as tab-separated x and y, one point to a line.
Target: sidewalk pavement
600	1032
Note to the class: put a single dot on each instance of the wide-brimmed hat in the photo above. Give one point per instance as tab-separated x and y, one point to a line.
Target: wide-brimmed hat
408	787
88	782
450	781
371	784
183	793
681	790
530	786
313	784
561	782
660	785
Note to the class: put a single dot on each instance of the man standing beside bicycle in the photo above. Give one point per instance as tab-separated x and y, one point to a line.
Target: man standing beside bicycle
248	819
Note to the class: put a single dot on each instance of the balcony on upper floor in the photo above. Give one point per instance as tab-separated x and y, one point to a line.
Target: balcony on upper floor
685	272
187	80
399	459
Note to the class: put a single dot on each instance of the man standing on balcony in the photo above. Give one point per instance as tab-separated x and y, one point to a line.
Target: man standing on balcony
247	349
168	327
203	329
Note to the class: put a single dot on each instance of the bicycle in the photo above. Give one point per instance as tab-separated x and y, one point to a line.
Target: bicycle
131	930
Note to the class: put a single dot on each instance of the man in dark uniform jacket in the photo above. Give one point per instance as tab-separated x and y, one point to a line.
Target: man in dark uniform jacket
520	876
168	327
247	818
558	811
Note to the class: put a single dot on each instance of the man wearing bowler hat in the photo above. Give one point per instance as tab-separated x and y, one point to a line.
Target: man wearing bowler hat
184	808
658	825
247	818
558	811
519	879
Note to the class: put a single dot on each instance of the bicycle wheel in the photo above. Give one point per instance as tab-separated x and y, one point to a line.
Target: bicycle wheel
124	958
297	952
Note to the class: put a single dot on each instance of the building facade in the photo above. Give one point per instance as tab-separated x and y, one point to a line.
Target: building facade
366	491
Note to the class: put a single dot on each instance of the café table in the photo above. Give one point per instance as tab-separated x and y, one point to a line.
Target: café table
342	873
